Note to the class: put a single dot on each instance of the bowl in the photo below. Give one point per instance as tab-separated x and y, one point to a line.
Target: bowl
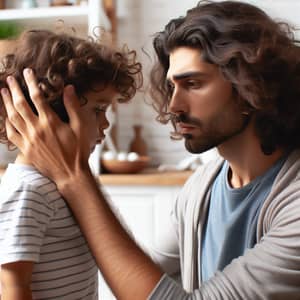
125	166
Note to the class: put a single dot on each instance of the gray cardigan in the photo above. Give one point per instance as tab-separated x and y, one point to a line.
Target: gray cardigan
270	270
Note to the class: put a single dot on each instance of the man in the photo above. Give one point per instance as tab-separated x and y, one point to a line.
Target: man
227	76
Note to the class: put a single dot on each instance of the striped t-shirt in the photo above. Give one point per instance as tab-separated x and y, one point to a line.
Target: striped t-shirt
37	225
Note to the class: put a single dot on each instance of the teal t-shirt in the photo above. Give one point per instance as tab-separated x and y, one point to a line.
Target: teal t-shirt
232	219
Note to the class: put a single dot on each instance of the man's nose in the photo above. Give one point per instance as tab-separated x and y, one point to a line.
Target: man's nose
178	102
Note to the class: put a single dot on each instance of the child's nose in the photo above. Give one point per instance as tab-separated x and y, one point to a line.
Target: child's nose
104	123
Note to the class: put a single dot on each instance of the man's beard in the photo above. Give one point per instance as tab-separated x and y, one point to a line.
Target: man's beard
211	135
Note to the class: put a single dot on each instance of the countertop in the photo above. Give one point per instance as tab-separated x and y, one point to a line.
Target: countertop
147	177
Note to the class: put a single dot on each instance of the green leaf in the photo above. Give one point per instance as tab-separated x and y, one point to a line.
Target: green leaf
9	30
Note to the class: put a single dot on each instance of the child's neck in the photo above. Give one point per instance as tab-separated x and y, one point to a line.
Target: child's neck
22	160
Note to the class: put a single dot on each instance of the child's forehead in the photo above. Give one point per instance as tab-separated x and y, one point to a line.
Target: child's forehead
101	95
101	88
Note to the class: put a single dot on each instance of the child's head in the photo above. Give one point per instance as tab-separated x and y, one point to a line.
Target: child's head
59	59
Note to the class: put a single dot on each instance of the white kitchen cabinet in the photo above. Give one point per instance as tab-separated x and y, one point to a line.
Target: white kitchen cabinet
145	210
86	18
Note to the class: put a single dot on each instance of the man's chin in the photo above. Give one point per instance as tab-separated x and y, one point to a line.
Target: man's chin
197	148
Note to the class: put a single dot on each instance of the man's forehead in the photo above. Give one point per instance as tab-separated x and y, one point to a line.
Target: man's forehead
186	62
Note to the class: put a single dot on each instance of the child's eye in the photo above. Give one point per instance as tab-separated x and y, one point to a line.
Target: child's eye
101	109
98	110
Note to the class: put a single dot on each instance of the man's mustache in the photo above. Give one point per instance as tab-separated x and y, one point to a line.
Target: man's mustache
186	119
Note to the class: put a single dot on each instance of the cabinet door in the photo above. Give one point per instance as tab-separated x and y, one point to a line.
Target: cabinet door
144	210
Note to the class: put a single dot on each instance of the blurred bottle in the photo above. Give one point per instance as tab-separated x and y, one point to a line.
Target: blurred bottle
60	2
138	144
29	3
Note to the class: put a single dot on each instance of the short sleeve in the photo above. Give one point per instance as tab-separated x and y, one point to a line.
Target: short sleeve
24	217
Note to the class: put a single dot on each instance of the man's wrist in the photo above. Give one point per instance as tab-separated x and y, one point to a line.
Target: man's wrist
82	177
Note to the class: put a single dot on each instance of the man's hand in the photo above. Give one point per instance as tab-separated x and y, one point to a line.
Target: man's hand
55	148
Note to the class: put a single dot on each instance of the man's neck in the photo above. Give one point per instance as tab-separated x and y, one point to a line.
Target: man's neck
246	159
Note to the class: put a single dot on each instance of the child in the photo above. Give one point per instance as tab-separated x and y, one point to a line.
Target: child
43	254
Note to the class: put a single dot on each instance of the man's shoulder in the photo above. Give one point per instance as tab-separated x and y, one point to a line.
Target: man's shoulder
290	171
202	179
209	169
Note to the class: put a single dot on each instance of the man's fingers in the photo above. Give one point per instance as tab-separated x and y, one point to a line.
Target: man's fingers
13	135
7	100
18	100
35	93
15	119
72	105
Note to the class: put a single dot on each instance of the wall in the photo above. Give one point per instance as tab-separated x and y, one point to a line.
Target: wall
139	20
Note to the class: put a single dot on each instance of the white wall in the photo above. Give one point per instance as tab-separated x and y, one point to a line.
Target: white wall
139	21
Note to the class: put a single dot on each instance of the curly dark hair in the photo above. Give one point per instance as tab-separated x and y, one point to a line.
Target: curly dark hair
258	55
59	59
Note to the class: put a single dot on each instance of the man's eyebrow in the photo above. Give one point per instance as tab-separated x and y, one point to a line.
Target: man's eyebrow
187	75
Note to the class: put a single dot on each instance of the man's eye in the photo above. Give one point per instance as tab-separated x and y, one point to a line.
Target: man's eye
193	83
170	87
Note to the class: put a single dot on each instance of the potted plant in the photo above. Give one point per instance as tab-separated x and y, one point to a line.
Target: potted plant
8	29
8	33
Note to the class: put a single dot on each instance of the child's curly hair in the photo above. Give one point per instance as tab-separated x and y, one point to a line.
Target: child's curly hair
59	59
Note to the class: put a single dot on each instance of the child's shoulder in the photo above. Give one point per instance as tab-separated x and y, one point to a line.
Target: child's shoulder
17	175
24	182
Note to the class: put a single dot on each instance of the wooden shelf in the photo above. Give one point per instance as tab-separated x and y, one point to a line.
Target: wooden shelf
44	12
72	15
